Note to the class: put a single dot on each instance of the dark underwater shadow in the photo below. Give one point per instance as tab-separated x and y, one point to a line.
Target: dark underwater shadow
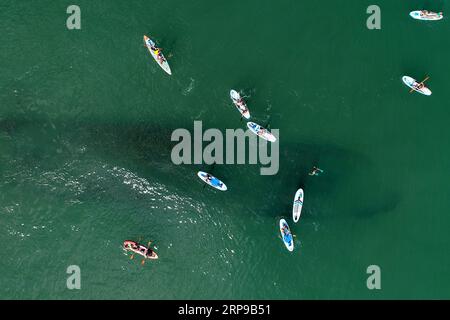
146	148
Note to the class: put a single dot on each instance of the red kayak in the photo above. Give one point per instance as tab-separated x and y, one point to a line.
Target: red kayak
135	247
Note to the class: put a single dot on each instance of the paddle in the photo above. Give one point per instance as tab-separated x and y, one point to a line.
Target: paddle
423	81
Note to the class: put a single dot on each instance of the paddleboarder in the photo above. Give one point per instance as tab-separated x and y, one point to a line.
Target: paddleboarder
419	86
287	236
427	13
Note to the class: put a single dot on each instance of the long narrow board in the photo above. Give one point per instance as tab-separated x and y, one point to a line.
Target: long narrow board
286	235
212	181
164	64
431	16
412	83
239	104
298	205
261	132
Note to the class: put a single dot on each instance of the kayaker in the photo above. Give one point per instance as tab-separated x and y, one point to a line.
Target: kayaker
419	86
157	52
150	253
160	57
154	48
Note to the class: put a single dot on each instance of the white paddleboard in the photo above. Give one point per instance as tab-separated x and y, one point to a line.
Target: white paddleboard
286	235
240	104
426	15
163	64
213	181
298	205
260	131
410	82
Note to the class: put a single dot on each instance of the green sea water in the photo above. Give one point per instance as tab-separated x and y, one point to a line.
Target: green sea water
85	123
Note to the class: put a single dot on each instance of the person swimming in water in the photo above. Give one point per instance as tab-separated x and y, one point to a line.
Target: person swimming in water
315	171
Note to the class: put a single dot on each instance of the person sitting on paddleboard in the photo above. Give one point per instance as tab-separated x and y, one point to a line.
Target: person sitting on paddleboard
161	58
427	13
243	108
157	52
286	234
241	104
216	182
288	237
155	49
419	86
